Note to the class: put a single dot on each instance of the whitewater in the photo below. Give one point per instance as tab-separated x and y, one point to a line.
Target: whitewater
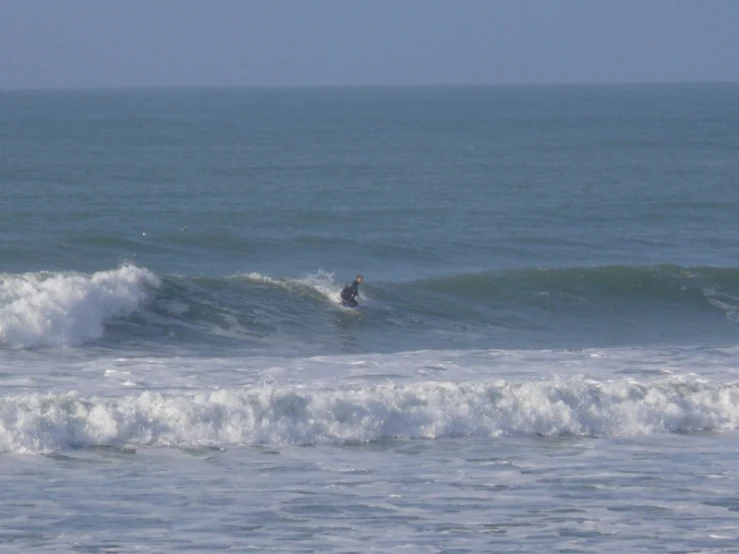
547	361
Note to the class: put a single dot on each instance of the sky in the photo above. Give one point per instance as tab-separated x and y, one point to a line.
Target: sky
141	43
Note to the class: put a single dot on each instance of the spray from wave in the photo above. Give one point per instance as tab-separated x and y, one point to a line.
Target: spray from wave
64	309
321	283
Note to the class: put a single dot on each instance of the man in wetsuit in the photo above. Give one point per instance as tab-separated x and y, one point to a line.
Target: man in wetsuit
350	292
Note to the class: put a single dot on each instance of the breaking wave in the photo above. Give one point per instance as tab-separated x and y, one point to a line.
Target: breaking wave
64	309
526	308
274	415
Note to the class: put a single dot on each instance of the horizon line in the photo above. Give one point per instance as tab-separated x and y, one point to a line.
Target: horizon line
361	86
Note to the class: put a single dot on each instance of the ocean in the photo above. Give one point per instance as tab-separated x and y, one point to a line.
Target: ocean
548	361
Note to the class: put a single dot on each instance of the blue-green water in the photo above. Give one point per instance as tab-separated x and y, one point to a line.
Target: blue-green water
556	262
526	217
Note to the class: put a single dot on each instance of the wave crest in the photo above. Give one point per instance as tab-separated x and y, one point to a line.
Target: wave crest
64	309
321	283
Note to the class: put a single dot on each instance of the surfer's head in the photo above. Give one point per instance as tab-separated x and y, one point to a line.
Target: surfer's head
359	279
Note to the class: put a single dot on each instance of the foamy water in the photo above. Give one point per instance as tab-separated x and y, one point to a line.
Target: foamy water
376	452
65	309
45	423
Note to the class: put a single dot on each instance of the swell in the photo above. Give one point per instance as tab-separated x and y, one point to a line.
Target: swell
553	289
585	291
616	300
571	307
598	283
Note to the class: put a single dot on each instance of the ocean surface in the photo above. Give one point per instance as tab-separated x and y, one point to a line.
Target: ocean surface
548	361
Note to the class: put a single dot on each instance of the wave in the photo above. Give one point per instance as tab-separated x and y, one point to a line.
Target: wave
596	291
526	308
60	309
663	303
597	284
275	415
63	309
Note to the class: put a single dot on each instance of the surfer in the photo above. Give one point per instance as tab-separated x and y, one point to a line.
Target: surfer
350	293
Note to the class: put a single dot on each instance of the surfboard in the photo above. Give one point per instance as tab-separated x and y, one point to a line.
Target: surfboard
348	307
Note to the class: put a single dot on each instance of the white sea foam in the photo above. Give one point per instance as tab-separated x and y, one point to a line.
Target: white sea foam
33	422
727	303
322	282
256	276
61	309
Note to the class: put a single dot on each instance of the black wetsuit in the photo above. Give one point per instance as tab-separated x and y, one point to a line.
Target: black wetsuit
349	294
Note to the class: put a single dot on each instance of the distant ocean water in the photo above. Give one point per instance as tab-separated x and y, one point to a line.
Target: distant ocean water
548	361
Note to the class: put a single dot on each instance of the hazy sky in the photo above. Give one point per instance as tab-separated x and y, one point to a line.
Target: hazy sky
112	43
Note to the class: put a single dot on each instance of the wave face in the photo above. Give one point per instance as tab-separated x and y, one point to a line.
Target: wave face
33	423
528	308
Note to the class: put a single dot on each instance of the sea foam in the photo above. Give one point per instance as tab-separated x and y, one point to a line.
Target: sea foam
321	282
48	309
278	415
